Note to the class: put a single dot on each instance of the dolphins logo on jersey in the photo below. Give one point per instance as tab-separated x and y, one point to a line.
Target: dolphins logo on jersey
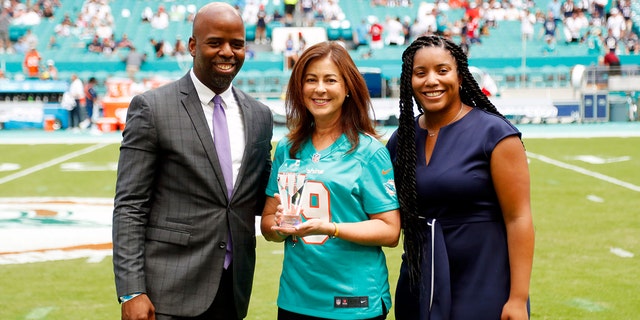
390	187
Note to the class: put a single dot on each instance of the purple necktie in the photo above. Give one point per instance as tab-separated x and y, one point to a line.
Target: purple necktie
223	147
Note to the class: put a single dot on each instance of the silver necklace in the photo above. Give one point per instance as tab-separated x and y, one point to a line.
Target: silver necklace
452	120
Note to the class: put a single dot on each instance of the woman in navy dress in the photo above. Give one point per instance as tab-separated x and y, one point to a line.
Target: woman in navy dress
463	184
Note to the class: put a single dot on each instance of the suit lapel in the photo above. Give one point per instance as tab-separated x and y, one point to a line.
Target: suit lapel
191	103
249	139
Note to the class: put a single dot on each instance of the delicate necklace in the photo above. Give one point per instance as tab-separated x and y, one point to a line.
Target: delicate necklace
317	156
430	134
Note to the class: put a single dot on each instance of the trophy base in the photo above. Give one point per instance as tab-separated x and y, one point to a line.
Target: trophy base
290	220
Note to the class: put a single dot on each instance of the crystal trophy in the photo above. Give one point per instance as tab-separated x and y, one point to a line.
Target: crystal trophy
290	187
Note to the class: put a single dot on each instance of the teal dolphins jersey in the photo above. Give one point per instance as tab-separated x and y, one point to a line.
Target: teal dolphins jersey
329	277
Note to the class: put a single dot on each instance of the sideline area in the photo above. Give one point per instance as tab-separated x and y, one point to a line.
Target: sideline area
570	130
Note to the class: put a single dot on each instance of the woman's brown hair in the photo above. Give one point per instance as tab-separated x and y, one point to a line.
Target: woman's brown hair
357	111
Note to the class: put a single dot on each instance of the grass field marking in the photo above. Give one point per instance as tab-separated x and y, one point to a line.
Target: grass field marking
39	313
584	171
621	252
52	162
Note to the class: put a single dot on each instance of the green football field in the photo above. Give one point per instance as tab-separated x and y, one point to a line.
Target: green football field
586	206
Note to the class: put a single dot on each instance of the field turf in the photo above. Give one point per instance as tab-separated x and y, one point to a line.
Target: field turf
586	206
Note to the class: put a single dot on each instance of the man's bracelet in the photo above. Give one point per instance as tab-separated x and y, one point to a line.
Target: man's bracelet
128	297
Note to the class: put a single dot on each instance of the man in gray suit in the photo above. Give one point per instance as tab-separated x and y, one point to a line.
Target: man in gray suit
183	234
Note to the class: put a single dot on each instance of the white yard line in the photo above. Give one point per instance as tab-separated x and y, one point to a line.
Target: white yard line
51	163
584	171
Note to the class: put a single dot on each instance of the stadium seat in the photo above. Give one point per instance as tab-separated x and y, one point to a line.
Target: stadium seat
333	30
512	77
250	32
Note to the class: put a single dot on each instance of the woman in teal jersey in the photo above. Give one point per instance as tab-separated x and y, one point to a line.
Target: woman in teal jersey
339	175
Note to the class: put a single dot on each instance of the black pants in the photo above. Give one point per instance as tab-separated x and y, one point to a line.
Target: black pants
75	115
223	306
286	315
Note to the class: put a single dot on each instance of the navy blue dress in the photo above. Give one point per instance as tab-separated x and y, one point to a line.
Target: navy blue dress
463	224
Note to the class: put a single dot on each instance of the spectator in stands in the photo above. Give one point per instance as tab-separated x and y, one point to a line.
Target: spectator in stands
627	12
250	12
598	6
147	14
464	44
549	47
108	45
53	43
180	185
277	16
594	41
361	34
610	41
76	89
30	38
191	13
289	10
124	42
554	9
261	26
406	29
31	63
179	48
50	72
48	10
160	19
612	61
376	32
307	7
395	32
104	30
177	13
471	28
302	44
464	191
5	22
428	23
21	47
158	47
442	23
64	28
29	17
573	27
511	12
616	24
332	11
631	43
418	28
549	26
133	61
290	52
527	23
95	45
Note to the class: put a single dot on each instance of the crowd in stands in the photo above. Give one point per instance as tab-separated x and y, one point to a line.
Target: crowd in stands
587	23
594	24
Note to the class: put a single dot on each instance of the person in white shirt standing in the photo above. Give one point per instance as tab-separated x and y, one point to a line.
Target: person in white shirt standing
77	92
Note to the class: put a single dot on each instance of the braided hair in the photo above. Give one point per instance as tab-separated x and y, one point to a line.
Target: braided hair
406	159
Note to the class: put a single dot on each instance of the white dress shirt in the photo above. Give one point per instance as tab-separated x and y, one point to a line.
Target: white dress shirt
234	120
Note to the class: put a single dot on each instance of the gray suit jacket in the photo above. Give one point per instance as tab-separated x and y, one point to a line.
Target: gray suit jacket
171	210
